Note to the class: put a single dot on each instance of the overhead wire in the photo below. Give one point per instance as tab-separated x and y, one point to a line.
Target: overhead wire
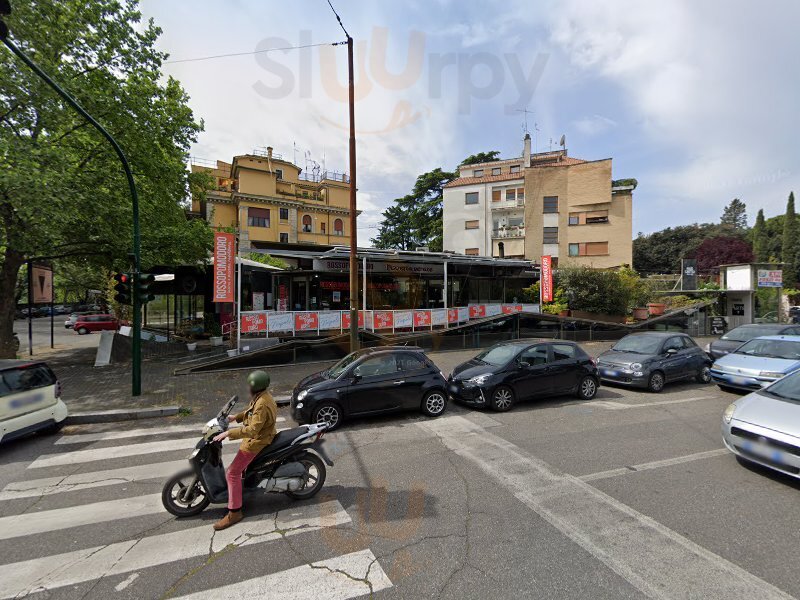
252	52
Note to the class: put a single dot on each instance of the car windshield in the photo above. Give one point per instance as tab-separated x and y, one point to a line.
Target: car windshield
771	349
342	365
498	355
743	334
786	388
639	344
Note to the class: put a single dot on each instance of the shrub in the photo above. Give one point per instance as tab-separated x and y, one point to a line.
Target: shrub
597	291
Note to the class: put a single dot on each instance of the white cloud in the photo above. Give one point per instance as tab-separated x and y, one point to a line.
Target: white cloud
594	125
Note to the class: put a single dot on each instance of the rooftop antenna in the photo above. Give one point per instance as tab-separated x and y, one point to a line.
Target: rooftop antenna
551	144
535	137
563	141
525	112
294	145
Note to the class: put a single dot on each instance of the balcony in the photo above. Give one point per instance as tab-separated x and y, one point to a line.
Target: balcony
508	204
509	232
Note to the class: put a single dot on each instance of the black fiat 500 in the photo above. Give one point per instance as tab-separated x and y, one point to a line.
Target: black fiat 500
512	371
369	382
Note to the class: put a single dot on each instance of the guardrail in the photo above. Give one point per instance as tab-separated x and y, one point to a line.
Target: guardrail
267	322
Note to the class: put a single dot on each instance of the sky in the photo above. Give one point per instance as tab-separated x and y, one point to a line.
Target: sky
696	100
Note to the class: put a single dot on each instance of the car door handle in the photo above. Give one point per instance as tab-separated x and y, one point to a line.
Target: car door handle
399	382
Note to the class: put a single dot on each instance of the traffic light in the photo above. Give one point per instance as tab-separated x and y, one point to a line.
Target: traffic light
123	288
143	287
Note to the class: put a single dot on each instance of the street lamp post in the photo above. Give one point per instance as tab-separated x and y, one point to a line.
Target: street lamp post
353	227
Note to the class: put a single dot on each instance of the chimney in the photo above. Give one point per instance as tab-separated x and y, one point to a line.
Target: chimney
526	151
269	152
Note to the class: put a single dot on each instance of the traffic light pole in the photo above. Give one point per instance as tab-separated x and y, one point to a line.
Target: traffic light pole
136	371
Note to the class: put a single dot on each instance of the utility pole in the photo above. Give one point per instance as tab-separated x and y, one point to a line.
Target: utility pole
353	225
136	370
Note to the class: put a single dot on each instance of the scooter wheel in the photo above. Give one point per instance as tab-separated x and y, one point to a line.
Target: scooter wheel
174	488
316	477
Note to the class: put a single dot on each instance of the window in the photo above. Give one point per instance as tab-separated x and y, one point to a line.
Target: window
472	224
563	352
516	222
471	252
588	218
25	378
550	204
284	214
322	227
377	366
589	249
511	195
307	226
410	362
673	343
258	217
688	342
535	355
477	173
497	195
574	219
550	235
338	227
520	193
574	250
514	169
284	238
279	173
471	198
495	170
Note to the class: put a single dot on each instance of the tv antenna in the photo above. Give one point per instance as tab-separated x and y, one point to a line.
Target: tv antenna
525	112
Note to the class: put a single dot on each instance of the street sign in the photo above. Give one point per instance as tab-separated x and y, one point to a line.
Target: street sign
41	284
768	278
224	254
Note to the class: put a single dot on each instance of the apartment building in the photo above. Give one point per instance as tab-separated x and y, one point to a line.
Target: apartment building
274	203
547	203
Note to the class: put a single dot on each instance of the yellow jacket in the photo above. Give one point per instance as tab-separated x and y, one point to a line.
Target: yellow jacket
258	423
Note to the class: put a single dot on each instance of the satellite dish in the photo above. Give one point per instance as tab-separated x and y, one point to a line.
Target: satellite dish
563	141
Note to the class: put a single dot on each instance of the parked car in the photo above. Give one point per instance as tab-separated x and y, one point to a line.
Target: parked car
73	318
523	369
30	399
650	359
757	363
88	323
369	382
738	336
764	426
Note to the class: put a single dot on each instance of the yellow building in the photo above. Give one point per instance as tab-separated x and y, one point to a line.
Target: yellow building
274	203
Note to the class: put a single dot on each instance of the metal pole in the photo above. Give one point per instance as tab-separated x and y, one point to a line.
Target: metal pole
52	345
30	309
136	370
353	225
239	309
364	291
446	316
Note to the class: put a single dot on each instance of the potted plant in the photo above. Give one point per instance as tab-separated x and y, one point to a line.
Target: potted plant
191	344
656	308
640	313
213	328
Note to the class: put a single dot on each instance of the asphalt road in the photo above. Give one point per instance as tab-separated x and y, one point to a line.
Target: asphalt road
63	338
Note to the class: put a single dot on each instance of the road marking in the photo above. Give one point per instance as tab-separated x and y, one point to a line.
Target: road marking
340	578
123	584
93	454
621	406
79	438
651	557
656	464
70	568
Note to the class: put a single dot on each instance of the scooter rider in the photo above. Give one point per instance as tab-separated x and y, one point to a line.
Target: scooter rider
257	431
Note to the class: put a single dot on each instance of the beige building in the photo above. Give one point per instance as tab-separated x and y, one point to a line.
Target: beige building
547	203
274	203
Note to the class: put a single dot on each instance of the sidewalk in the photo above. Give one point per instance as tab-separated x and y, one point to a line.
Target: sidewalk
87	388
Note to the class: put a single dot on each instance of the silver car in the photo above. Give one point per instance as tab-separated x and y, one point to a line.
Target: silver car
757	363
764	427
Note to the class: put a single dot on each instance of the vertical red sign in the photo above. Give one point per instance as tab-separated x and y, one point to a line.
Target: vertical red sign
547	279
224	255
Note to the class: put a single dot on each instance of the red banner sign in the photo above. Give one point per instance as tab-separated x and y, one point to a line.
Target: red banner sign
254	323
383	319
452	315
305	321
422	318
547	279
224	272
346	319
511	308
476	311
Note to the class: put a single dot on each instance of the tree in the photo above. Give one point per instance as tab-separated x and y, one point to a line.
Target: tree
789	250
481	157
395	231
734	216
661	251
266	259
760	239
722	250
62	190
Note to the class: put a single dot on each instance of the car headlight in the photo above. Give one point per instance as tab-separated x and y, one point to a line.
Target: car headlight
478	380
707	348
302	394
772	374
636	366
727	416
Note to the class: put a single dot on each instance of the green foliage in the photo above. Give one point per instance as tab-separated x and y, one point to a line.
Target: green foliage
266	259
531	293
637	290
625	182
789	249
734	216
559	304
760	238
593	290
661	252
62	190
481	157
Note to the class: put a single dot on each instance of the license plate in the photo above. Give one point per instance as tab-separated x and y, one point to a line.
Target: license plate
738	380
765	452
610	373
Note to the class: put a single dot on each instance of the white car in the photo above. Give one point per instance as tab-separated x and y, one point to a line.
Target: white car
30	399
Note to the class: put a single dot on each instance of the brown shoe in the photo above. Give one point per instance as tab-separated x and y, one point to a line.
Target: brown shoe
233	517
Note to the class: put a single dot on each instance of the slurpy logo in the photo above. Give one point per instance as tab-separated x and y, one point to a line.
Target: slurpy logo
462	76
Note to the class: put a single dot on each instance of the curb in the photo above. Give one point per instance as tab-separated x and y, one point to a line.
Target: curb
123	414
283	400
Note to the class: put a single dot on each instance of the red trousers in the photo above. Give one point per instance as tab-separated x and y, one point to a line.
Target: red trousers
234	478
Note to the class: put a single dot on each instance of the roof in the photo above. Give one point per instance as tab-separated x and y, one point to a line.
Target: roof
563	161
483	179
662	334
254	264
779	338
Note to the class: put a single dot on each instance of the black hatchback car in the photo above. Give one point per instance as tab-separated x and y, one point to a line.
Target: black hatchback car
523	369
369	382
650	359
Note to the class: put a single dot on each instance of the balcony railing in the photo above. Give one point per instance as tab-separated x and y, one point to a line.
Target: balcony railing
506	204
510	232
329	175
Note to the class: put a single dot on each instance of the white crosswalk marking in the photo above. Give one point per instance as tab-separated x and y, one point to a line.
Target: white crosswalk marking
348	576
51	572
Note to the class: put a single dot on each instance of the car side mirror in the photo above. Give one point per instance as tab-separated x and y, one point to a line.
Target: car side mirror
356	377
671	351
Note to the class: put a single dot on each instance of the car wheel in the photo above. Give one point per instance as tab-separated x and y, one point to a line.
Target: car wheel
587	389
434	403
328	413
83	331
502	398
656	382
704	376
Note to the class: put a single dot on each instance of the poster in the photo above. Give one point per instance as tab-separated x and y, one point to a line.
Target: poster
346	319
439	317
511	308
770	278
718	325
688	274
452	315
258	300
306	321
422	318
41	284
463	314
383	319
280	321
403	319
547	279
492	310
224	272
476	311
254	322
337	296
330	319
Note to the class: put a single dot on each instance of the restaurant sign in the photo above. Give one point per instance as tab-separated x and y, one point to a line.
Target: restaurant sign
378	267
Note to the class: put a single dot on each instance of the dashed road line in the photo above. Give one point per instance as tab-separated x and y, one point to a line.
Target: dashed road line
656	464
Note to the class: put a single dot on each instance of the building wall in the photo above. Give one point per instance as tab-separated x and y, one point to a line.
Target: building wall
455	215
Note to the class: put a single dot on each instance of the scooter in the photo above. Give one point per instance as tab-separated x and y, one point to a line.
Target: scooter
293	464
